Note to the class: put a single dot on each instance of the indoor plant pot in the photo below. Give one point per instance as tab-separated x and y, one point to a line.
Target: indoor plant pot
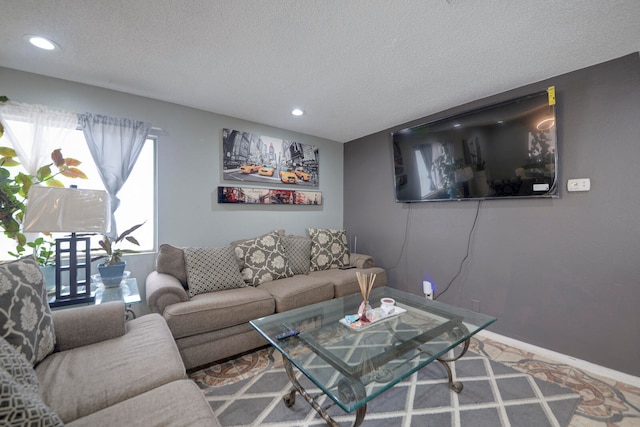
112	270
111	275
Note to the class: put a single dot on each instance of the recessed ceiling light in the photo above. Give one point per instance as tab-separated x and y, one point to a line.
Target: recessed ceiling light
297	112
42	42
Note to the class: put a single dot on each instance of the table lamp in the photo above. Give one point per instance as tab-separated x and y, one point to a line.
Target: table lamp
69	210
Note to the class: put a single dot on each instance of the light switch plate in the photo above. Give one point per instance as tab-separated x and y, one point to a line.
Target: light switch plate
580	184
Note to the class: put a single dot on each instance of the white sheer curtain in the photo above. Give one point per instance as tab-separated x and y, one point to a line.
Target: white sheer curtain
115	144
35	131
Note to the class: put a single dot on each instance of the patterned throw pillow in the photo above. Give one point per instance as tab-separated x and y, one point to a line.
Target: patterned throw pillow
18	367
328	249
212	269
20	405
298	252
264	259
24	311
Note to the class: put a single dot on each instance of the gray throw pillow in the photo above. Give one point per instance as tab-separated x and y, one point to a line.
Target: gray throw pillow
328	249
263	259
24	311
170	260
212	269
18	367
298	252
20	405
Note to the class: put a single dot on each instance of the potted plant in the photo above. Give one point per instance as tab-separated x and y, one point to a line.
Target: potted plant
112	269
14	190
44	252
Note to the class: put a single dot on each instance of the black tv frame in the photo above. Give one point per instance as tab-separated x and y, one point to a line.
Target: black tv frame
478	139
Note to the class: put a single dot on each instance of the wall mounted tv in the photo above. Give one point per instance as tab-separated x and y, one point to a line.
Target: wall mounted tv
505	150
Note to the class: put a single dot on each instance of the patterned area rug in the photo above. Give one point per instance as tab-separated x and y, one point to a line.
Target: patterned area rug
248	391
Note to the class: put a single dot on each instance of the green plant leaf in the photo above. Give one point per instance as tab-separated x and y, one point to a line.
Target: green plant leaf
7	152
54	183
44	173
9	161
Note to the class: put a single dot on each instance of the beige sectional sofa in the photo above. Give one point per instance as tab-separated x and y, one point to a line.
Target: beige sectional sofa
109	372
213	325
87	366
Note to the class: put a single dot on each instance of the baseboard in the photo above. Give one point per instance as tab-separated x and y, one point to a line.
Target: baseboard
563	358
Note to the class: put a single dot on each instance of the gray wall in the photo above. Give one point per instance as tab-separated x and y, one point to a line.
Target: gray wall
189	166
563	274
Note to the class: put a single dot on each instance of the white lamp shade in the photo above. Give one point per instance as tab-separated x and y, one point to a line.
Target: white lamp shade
54	210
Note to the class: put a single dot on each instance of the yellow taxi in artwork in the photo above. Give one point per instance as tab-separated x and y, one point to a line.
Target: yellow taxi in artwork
288	176
302	174
249	168
266	170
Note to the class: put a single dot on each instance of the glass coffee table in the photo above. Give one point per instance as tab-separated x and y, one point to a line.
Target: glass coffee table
363	360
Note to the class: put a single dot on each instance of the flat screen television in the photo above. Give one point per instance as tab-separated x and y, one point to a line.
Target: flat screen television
504	150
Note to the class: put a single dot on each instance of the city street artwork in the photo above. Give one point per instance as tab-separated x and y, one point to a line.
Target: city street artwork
258	158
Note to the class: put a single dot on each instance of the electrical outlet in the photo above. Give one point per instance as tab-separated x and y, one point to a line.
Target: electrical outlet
580	184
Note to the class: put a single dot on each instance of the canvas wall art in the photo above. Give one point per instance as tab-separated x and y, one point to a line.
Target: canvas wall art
258	158
267	196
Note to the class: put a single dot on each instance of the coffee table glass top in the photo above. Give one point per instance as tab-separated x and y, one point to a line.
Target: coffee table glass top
354	366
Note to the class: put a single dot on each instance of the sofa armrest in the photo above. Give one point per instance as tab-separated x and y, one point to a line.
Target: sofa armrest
80	326
163	290
361	260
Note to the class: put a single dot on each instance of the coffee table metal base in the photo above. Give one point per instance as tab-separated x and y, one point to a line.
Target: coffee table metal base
290	398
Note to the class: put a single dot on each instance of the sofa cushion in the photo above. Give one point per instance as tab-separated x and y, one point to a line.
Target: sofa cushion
346	282
298	291
212	269
298	251
24	310
263	259
78	382
170	260
328	249
177	404
217	310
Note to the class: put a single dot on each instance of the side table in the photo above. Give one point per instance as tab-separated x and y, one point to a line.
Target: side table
127	292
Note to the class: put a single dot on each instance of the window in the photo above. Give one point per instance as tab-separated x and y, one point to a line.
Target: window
137	196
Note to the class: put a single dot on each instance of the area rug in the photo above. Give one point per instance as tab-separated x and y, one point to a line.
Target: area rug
248	392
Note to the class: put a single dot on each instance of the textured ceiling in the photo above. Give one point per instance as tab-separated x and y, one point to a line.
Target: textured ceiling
355	67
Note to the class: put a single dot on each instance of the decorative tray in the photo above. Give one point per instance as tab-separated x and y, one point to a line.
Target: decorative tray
378	315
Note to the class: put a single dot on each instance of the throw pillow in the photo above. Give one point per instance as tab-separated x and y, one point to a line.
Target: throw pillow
170	260
263	259
17	365
328	249
24	310
212	269
298	252
243	241
22	406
